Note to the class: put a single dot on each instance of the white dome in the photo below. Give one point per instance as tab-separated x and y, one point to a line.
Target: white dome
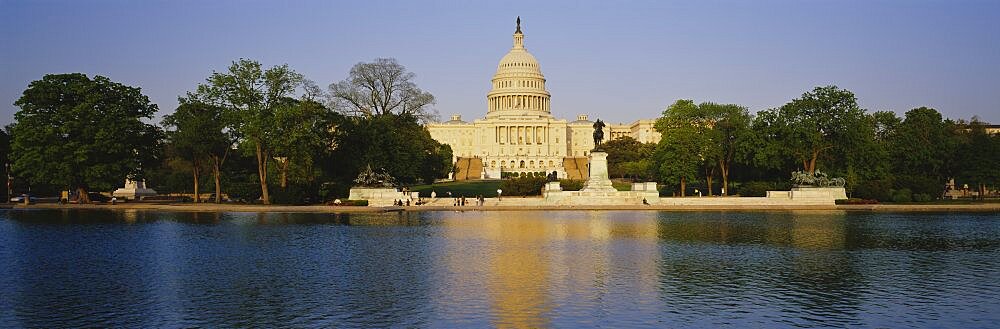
519	62
518	85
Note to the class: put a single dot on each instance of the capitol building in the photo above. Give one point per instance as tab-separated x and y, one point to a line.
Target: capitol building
519	133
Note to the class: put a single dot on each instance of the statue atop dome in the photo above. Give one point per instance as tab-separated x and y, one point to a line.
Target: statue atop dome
518	25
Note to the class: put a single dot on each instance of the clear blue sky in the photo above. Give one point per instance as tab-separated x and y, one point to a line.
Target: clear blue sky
619	61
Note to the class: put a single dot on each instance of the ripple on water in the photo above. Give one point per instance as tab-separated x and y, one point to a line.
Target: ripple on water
485	269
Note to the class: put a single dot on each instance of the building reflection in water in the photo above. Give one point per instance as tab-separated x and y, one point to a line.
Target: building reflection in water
524	262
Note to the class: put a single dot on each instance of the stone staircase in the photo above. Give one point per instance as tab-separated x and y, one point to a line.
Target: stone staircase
468	168
576	168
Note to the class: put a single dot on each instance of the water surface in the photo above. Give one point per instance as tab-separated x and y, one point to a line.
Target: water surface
69	268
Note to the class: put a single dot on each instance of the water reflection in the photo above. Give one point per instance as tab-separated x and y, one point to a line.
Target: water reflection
499	269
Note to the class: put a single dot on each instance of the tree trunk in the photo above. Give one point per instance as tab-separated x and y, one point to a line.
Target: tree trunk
81	195
683	185
708	179
724	172
194	172
218	175
262	173
284	174
812	162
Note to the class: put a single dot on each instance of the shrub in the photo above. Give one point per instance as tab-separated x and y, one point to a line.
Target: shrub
921	197
571	184
290	195
920	185
331	190
856	201
522	186
755	188
902	195
880	190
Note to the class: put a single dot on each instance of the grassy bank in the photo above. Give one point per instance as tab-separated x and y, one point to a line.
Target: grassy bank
467	188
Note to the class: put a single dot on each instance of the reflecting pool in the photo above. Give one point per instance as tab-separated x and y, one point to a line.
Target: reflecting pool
99	268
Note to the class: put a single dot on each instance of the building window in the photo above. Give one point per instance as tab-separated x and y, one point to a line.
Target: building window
522	163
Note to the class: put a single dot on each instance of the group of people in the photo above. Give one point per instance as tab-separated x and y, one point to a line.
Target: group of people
460	201
406	203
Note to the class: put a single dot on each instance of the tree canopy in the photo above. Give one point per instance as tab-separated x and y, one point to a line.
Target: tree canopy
824	123
397	143
83	133
626	155
251	94
381	87
198	133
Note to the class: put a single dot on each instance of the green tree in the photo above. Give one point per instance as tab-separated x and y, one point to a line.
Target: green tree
886	123
979	157
922	146
302	130
685	145
83	133
197	133
252	94
721	135
4	163
625	150
824	123
397	143
641	169
730	131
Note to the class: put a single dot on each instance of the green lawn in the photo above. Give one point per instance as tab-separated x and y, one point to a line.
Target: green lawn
468	188
486	188
621	186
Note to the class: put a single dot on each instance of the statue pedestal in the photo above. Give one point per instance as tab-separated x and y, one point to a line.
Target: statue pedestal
133	190
378	196
598	189
598	181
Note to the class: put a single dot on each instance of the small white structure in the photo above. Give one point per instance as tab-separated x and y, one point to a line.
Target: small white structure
381	196
133	190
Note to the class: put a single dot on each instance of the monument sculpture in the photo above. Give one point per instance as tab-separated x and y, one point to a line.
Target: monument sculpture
379	188
813	186
369	178
133	190
818	179
598	134
599	180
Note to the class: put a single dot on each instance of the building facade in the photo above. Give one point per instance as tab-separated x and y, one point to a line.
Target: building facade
519	133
